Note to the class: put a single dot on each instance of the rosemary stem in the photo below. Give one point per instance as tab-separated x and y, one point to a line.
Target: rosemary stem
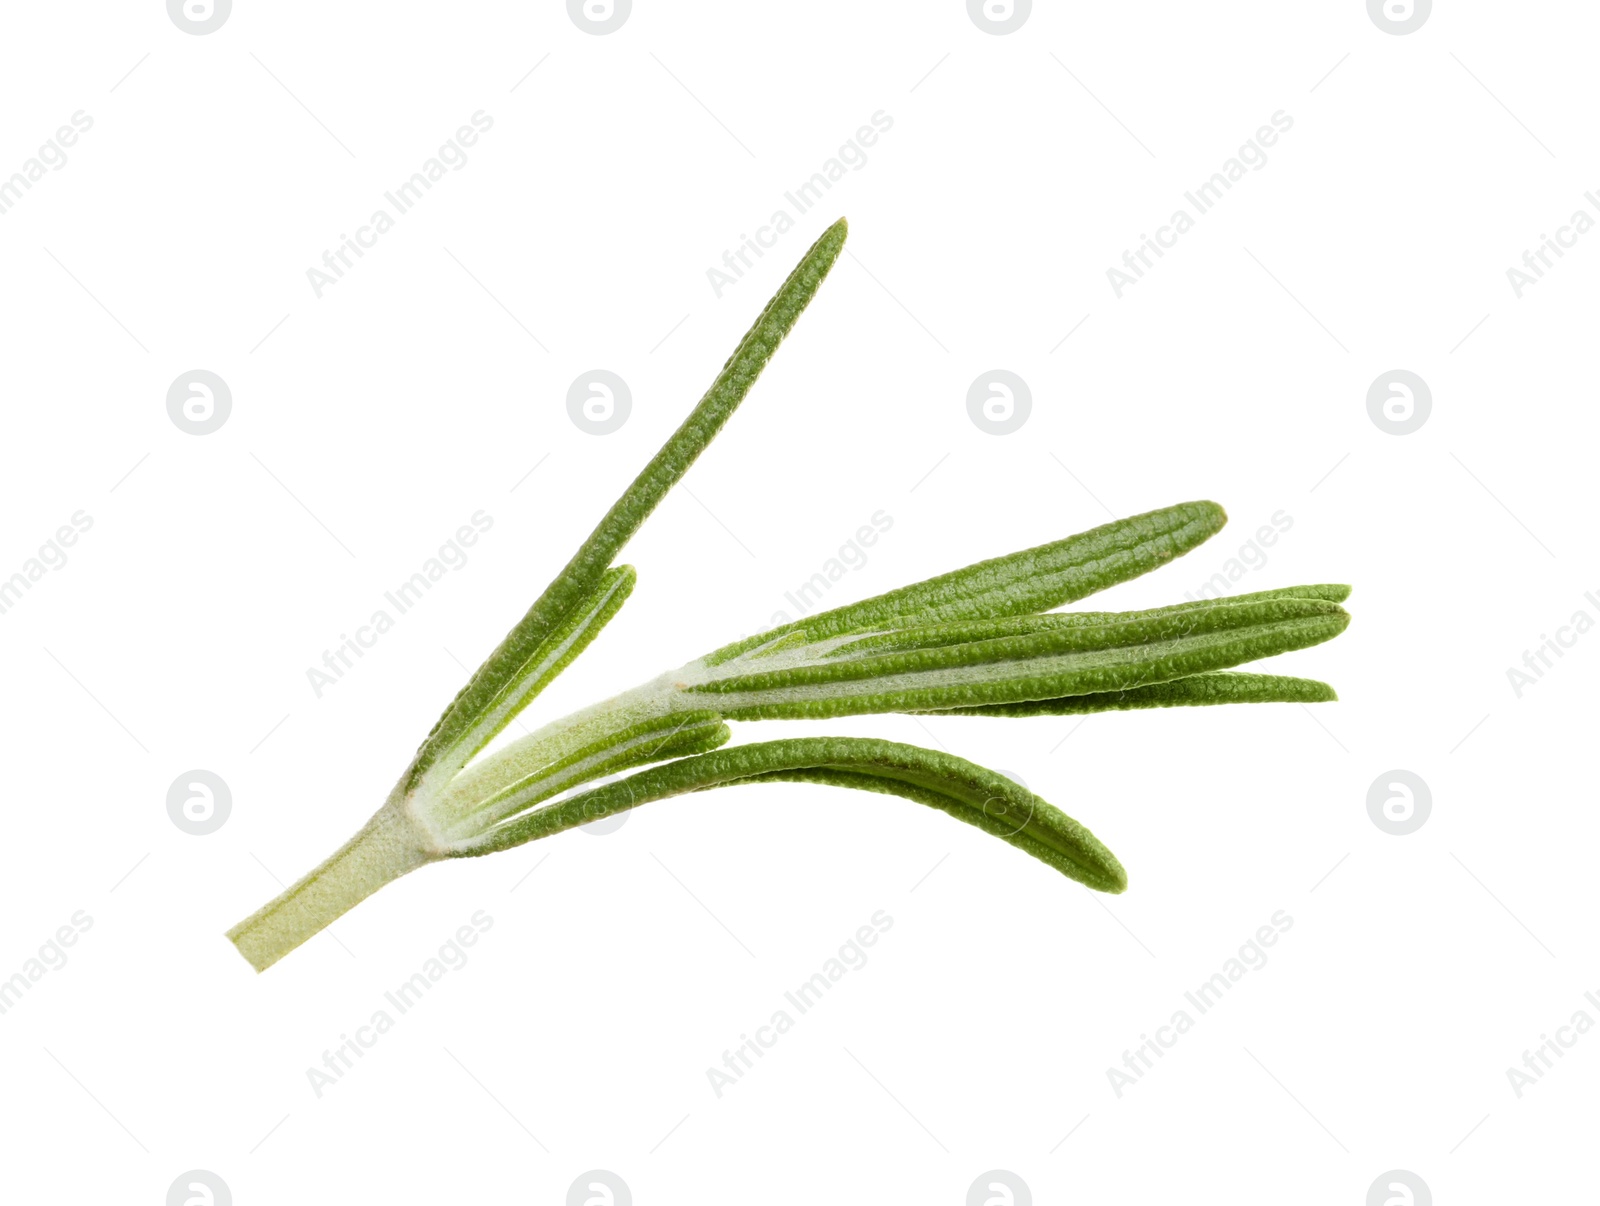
392	843
540	765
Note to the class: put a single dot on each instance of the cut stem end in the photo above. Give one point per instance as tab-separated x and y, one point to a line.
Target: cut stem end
387	846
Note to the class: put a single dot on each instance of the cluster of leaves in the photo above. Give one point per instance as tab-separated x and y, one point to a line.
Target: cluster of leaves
973	642
981	641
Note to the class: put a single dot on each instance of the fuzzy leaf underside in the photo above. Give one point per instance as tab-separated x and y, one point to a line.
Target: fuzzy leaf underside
583	572
490	799
554	654
1198	690
1031	638
1102	872
924	636
1022	583
962	789
1036	673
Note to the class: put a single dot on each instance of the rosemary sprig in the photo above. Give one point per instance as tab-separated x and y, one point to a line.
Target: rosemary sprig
980	641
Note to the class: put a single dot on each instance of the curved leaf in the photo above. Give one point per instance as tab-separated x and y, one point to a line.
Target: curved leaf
953	785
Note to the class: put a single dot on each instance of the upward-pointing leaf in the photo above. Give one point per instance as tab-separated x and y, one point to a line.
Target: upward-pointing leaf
1032	580
581	576
554	654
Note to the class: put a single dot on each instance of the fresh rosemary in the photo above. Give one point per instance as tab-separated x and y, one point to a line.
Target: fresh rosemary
981	641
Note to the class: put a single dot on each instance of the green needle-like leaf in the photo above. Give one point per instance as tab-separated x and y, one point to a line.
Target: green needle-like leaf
953	785
553	655
1092	629
1198	690
581	576
1068	660
1033	580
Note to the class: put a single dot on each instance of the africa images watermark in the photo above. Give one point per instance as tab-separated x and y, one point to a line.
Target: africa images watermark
1536	262
451	555
852	956
852	555
1252	555
51	956
51	555
451	956
852	155
1537	1062
1252	956
450	157
1543	656
51	155
1251	157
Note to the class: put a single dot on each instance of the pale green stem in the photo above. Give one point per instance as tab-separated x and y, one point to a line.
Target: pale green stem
390	844
526	772
523	772
409	832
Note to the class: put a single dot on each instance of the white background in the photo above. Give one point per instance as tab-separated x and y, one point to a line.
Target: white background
369	423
